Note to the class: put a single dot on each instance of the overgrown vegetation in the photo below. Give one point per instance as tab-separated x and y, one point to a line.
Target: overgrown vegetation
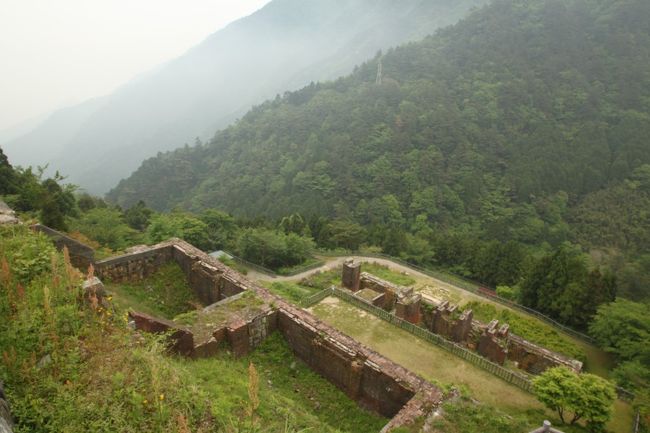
68	368
385	273
464	416
292	292
165	293
623	328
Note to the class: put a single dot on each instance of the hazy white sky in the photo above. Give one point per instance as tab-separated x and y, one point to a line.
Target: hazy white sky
55	53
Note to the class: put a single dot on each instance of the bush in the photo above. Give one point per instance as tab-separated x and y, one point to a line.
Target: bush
508	292
273	249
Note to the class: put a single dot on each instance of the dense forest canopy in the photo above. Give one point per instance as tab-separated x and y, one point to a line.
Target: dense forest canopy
527	122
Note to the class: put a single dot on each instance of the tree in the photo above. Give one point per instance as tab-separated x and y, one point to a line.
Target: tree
344	234
222	228
585	396
561	285
273	249
56	203
623	328
7	175
138	216
181	225
294	223
106	226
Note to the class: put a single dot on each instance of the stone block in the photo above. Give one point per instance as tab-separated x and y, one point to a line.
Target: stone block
351	275
408	308
207	349
237	334
181	340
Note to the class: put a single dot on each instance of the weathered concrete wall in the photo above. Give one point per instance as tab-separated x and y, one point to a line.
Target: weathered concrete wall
81	256
408	307
244	336
362	374
391	291
449	321
493	343
135	266
535	359
209	282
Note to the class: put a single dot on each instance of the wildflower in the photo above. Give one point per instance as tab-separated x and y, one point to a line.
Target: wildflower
161	397
145	401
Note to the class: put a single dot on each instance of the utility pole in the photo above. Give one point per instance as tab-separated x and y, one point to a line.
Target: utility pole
380	70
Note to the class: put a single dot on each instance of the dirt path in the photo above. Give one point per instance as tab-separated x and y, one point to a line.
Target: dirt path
334	262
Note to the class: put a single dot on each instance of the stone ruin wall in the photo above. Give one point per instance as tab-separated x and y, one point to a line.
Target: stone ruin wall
364	375
494	342
210	283
403	300
81	256
491	341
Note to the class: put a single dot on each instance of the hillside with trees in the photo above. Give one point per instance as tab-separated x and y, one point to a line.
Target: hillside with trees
284	45
521	128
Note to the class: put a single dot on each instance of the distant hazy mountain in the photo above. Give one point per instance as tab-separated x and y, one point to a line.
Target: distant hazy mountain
45	141
283	46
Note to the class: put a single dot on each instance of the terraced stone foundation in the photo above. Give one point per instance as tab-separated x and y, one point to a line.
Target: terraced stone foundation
242	314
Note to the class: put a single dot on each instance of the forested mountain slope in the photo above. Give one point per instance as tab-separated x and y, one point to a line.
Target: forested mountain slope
526	122
283	46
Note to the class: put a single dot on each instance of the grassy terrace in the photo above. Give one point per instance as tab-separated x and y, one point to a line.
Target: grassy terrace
445	369
69	369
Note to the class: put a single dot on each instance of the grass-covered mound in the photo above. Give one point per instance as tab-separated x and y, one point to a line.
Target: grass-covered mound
67	368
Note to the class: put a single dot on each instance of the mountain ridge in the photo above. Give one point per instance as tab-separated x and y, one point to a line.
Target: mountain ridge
498	126
214	82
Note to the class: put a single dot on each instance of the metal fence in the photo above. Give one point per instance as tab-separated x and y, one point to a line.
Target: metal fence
315	298
517	379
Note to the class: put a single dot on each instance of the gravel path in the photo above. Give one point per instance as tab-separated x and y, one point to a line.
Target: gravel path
334	262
